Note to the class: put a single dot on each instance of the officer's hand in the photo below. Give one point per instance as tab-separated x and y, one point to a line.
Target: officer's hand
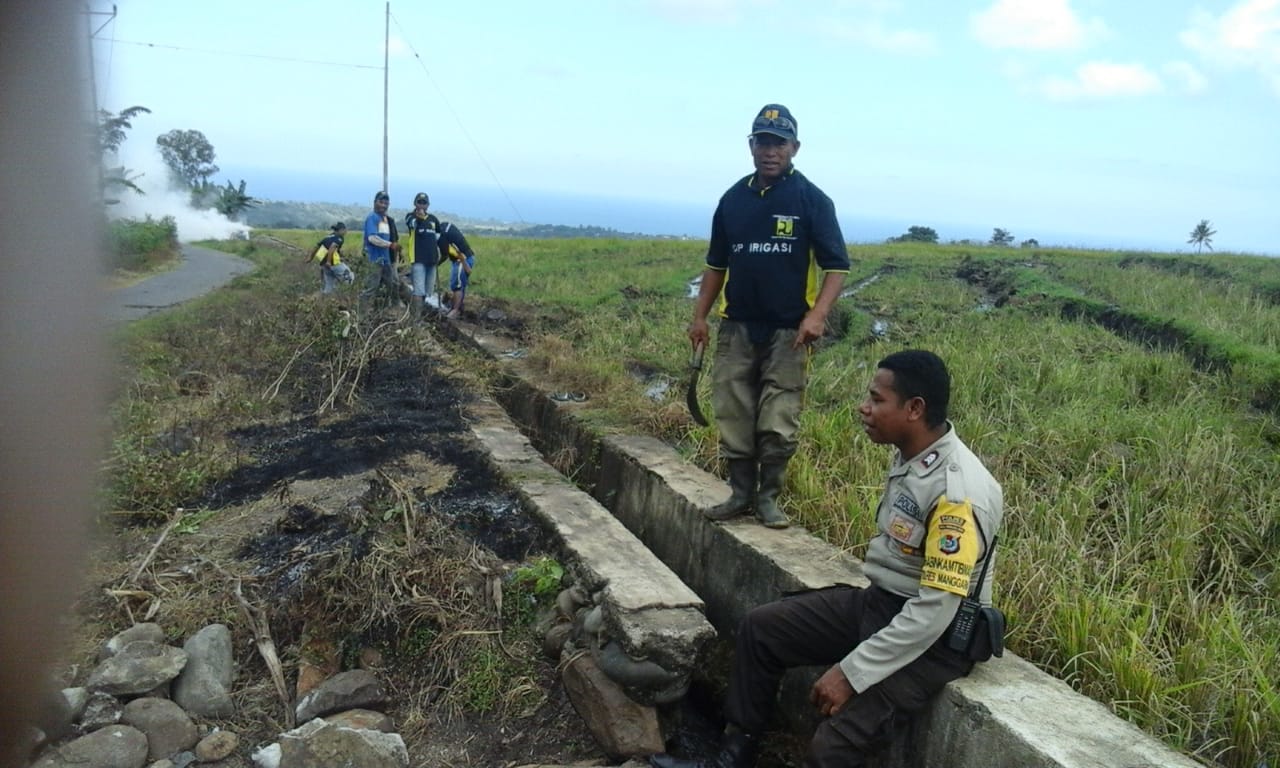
831	692
698	332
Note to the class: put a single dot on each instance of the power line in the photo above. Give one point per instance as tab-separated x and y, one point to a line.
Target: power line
458	120
237	54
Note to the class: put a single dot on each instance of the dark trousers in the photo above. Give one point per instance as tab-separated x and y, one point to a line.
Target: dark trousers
820	628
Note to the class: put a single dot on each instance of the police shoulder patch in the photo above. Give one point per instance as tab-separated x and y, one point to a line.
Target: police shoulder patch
951	548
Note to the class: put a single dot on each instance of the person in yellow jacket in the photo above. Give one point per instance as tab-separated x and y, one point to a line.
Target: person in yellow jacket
329	253
454	246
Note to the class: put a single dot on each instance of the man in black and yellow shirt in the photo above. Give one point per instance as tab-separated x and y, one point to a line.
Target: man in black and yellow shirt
776	263
424	242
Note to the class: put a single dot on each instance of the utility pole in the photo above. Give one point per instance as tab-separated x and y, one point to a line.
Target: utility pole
386	89
93	78
93	81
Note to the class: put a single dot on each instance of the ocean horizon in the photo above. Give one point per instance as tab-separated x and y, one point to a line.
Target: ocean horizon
524	207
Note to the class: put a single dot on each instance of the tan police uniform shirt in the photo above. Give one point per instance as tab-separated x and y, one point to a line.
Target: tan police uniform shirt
935	522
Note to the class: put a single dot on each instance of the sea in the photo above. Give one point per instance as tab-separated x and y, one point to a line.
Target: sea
653	217
526	207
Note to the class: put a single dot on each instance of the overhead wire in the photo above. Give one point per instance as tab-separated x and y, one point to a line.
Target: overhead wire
348	65
243	55
453	113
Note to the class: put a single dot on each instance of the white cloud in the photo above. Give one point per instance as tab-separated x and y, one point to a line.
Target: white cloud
874	34
1246	36
1036	25
1191	78
1102	80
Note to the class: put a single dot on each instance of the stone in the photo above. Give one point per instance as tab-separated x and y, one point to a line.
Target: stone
139	667
55	715
204	687
77	699
267	756
168	729
553	641
101	710
149	632
370	658
115	746
319	662
318	744
362	719
217	746
622	727
356	688
27	745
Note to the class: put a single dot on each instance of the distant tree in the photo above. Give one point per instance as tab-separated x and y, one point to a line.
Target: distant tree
189	156
1202	235
232	201
1030	242
916	234
112	128
1001	237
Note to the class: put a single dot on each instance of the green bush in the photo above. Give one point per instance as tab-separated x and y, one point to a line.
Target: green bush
142	245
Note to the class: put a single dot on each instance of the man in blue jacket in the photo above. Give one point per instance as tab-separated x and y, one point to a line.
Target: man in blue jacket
380	241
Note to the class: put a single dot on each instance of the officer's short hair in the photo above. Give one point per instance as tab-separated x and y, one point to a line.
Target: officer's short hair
920	373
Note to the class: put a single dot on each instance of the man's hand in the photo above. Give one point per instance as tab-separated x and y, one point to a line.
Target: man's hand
811	329
831	692
396	247
698	332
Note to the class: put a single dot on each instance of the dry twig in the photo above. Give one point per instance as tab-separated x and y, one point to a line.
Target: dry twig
256	620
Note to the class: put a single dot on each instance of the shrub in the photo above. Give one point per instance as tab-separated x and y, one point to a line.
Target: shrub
142	245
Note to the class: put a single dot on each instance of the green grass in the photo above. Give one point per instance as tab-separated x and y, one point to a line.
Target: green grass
1142	503
1142	522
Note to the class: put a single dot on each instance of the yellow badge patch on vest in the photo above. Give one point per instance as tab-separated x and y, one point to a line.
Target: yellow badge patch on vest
950	548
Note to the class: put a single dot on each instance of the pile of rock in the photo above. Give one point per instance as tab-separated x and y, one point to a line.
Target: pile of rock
147	703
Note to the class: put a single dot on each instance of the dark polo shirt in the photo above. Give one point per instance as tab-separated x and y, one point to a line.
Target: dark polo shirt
773	244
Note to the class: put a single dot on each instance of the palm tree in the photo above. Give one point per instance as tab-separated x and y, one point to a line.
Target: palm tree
1202	236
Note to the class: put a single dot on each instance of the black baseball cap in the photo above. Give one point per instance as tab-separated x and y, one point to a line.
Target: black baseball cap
777	120
381	196
421	197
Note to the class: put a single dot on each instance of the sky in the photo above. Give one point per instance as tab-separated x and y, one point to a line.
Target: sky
1074	122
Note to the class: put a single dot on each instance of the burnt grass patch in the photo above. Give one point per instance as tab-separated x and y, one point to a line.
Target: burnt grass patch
405	408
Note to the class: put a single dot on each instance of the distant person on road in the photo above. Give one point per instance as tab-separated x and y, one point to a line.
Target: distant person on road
329	253
893	645
381	240
776	264
455	248
423	230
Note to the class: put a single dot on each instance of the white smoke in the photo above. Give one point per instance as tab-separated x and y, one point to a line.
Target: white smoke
147	170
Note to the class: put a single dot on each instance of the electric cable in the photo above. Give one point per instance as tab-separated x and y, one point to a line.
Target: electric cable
269	57
453	113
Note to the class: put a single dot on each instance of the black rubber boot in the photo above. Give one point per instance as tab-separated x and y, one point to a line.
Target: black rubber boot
737	750
742	484
772	476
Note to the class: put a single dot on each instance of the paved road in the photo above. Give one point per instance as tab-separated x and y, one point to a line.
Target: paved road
200	271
